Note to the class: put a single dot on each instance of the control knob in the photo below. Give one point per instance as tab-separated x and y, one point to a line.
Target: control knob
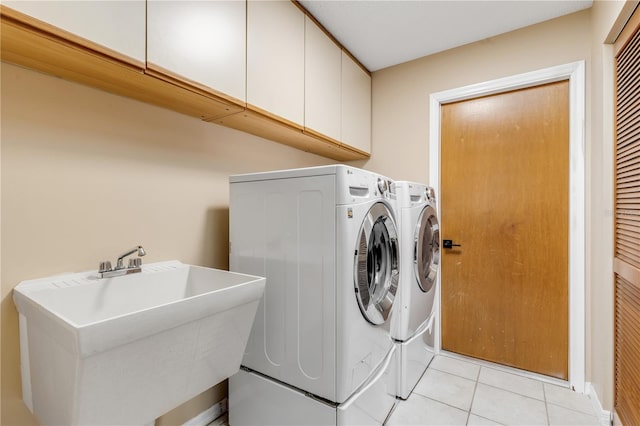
382	185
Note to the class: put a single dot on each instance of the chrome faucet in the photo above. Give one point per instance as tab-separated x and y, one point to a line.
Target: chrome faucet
120	261
135	264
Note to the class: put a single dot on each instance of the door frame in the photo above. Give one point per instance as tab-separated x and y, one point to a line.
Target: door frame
575	73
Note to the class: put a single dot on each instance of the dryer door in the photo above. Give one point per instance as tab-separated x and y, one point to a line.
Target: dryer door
376	264
427	249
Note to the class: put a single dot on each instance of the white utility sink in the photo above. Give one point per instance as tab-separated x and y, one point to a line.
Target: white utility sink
125	350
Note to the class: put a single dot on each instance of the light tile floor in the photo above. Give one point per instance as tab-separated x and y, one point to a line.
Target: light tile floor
457	392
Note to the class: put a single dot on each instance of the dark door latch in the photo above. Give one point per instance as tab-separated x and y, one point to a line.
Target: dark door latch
448	244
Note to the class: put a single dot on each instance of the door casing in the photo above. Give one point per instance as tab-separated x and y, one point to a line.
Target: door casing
575	73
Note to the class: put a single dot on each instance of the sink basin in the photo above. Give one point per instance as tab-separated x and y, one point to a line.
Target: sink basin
126	350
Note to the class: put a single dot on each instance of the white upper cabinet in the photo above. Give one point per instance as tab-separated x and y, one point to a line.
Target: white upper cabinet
202	42
356	105
209	59
116	25
275	58
322	82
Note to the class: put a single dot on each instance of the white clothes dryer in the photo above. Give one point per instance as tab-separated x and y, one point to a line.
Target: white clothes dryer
326	240
412	325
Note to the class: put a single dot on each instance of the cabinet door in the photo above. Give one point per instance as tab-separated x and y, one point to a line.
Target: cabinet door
356	105
200	42
275	58
117	25
322	82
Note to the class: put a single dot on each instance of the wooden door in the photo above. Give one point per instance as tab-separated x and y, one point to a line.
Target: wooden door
627	225
505	190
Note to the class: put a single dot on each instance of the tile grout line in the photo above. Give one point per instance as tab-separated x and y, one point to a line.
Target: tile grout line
453	374
507	369
545	400
516	393
572	409
473	396
546	405
440	402
591	412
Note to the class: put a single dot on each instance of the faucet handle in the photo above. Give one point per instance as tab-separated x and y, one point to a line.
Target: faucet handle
105	266
135	262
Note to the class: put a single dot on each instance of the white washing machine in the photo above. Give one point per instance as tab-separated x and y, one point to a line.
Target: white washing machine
412	325
320	351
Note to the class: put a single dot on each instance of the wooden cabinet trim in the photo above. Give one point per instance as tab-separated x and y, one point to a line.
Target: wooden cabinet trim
272	127
164	74
37	45
36	49
275	117
320	135
52	32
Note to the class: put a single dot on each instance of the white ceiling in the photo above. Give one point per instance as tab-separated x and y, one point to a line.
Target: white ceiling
382	33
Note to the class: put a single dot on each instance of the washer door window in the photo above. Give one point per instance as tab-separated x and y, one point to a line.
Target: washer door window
427	249
376	264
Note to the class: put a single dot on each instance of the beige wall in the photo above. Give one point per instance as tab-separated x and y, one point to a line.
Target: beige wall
401	135
86	175
401	93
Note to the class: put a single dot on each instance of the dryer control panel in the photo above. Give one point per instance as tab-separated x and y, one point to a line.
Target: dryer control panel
355	185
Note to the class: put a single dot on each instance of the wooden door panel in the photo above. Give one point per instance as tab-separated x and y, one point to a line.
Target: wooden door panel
504	185
627	342
627	226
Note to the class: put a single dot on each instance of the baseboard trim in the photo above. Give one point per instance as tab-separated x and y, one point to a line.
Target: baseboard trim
604	416
208	415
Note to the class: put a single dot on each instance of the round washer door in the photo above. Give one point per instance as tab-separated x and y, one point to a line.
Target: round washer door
376	264
427	249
